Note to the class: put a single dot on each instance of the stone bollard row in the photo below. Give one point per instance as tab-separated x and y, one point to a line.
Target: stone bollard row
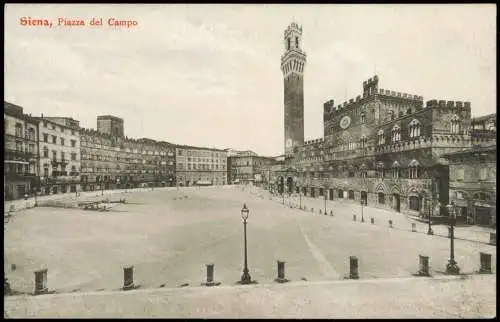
128	273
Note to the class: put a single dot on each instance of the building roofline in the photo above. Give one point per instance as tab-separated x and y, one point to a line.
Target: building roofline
483	117
487	149
198	147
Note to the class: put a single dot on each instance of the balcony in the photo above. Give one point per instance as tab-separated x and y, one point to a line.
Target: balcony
19	155
61	162
59	173
20	176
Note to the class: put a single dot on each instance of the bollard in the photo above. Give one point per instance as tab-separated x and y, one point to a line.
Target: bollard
423	265
372	221
41	282
331	212
353	217
353	267
485	260
493	238
128	278
320	212
210	276
390	223
281	273
449	232
414	227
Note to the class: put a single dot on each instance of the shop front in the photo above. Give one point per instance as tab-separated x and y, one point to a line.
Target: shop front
483	214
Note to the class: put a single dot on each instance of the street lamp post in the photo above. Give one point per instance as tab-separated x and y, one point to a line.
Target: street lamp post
324	193
362	216
36	201
245	278
430	209
452	267
300	199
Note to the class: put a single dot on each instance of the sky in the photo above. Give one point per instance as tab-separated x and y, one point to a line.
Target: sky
209	75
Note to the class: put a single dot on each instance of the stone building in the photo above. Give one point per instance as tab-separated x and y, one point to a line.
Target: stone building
248	167
111	161
380	148
200	166
473	174
20	152
59	147
111	125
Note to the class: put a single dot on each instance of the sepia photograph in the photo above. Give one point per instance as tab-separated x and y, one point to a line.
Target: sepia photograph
332	161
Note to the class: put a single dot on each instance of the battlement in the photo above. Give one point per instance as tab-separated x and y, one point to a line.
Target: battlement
328	106
293	27
447	104
316	141
370	86
387	92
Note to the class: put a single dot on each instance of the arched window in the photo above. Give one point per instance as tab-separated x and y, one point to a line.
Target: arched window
413	169
492	127
455	124
396	134
381	137
380	170
395	170
19	130
363	118
296	42
363	169
414	128
288	44
363	141
391	115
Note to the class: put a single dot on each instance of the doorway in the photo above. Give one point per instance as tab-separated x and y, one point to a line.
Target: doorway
364	197
397	202
331	194
289	184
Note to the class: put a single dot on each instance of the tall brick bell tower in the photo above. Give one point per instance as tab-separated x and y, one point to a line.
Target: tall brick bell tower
292	65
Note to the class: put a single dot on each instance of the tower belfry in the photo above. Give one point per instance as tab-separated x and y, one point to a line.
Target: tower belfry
292	65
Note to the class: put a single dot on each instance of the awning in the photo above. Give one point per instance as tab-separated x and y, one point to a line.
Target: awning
15	161
480	204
